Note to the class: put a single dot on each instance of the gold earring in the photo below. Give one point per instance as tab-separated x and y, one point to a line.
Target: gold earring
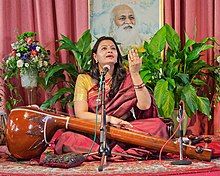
96	61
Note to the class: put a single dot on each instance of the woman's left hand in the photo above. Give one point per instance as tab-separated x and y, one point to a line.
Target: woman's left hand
134	61
117	122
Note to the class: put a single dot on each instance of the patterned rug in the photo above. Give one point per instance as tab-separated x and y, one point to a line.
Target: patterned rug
149	167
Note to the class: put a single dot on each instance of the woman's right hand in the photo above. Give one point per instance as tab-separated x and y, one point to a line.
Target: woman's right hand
119	122
134	61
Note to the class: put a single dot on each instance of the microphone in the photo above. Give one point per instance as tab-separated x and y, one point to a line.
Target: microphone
105	70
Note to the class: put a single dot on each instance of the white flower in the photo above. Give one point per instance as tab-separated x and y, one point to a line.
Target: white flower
218	59
38	48
13	45
26	65
20	63
18	54
40	64
45	63
35	59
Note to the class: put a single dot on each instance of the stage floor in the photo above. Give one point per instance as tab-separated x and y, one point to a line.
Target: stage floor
148	167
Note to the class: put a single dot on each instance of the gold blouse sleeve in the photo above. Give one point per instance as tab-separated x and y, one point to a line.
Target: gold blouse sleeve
83	85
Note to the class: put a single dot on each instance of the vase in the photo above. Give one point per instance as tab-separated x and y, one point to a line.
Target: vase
29	79
29	82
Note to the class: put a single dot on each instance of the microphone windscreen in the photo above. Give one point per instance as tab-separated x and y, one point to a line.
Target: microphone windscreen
106	67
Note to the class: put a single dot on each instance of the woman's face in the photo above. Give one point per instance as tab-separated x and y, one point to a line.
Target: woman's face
106	53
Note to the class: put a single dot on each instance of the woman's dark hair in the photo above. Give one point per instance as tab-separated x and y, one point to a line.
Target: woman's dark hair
119	72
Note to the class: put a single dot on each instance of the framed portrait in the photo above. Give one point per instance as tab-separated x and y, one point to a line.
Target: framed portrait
145	17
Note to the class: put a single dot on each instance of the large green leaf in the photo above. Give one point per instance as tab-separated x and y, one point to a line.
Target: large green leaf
194	68
150	80
189	43
198	82
171	83
152	65
79	59
172	38
70	68
190	98
160	88
168	104
204	105
84	42
86	64
66	44
61	92
158	41
182	78
171	67
212	39
195	53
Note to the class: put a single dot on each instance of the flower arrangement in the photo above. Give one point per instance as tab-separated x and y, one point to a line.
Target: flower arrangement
27	56
27	61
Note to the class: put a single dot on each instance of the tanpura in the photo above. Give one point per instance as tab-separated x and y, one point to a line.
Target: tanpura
29	130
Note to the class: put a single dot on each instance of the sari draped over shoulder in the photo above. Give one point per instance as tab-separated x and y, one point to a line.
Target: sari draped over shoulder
123	102
123	105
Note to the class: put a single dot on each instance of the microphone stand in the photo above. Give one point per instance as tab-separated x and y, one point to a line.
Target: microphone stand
104	149
181	161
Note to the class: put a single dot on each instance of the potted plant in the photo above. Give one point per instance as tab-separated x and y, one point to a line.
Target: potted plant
56	75
175	72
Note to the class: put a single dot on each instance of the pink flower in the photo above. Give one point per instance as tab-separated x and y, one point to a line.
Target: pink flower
33	52
29	40
13	53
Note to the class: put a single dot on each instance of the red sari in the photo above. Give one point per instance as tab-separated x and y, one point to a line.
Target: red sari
120	106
